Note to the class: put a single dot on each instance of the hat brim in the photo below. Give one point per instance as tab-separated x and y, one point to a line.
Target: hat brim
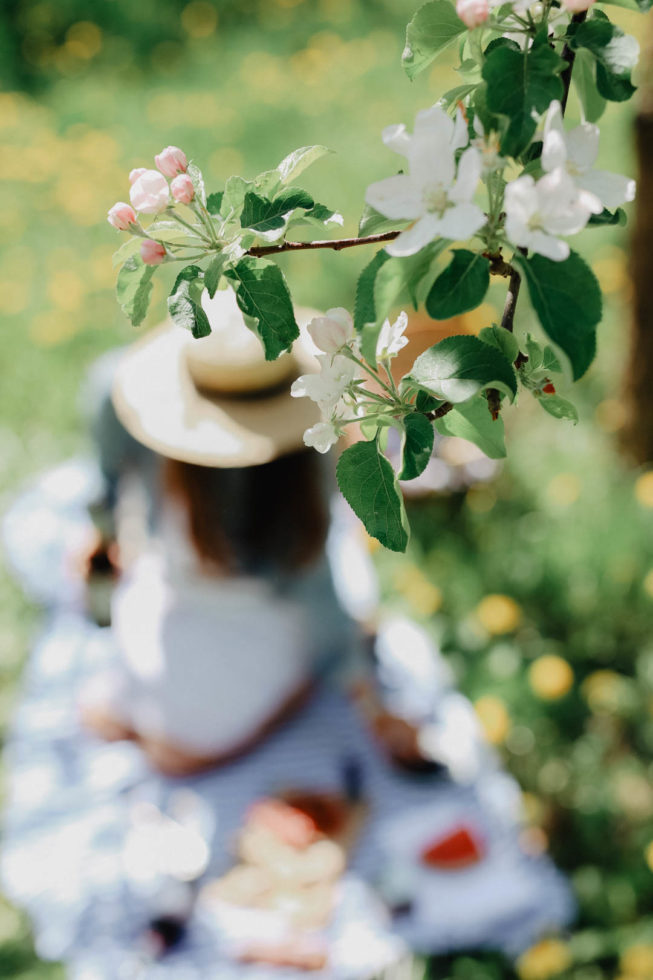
159	405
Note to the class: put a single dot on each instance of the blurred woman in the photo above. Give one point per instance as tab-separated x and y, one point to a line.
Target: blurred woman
227	612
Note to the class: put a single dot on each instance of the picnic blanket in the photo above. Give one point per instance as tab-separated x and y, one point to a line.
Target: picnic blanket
68	849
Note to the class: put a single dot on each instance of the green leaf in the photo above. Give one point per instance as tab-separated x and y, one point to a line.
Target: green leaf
214	202
319	214
261	214
502	339
567	299
584	79
616	55
394	280
373	222
519	83
184	302
606	217
458	367
269	182
426	403
472	421
134	287
417	445
369	485
457	94
297	161
559	407
364	308
461	287
492	123
403	279
234	196
214	272
195	175
535	353
265	302
549	360
126	250
432	29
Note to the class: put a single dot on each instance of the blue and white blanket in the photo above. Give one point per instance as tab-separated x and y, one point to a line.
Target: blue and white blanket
70	800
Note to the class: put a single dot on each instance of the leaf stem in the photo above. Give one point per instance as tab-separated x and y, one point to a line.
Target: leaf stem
361	363
198	234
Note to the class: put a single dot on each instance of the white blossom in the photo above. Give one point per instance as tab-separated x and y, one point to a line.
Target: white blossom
431	194
576	152
326	388
332	331
391	338
538	212
321	436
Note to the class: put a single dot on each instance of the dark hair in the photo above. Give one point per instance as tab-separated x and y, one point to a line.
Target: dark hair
257	518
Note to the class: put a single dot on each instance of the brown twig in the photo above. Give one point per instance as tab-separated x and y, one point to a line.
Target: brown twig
498	265
507	320
438	413
569	56
336	244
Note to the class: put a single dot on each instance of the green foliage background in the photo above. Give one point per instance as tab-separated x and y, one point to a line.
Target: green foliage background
564	535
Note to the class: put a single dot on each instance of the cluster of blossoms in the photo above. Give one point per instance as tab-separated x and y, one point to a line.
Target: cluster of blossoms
436	194
339	388
152	192
562	201
475	13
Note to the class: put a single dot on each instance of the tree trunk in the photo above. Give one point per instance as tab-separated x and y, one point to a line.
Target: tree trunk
637	433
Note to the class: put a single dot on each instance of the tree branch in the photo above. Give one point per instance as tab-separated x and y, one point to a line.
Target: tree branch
336	244
569	56
444	409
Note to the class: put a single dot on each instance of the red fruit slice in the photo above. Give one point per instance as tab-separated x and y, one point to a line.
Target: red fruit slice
286	823
458	849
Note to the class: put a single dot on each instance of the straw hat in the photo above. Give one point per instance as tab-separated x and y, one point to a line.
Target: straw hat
215	401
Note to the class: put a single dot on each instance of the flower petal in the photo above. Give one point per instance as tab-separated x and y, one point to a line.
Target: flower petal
396	197
469	174
548	246
462	221
583	145
415	238
397	138
553	118
431	155
434	121
460	136
611	189
554	150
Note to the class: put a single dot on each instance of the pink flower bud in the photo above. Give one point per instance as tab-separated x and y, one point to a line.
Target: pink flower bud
331	332
171	161
135	174
149	193
473	12
152	253
121	216
576	6
182	189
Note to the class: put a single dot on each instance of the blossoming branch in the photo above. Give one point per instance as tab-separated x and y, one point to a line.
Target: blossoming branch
491	182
